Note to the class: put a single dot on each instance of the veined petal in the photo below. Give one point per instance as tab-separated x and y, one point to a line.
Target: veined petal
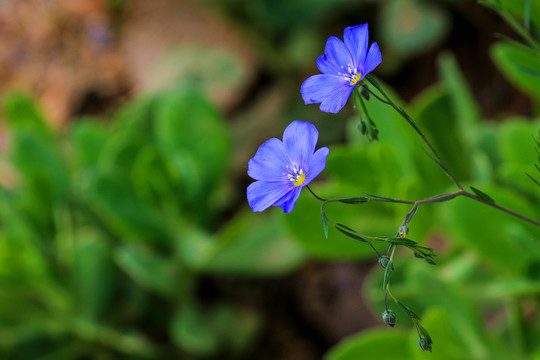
337	53
262	194
269	162
327	67
318	88
373	59
316	164
356	40
288	200
300	138
337	98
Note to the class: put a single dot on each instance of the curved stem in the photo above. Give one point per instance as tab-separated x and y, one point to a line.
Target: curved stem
411	122
317	197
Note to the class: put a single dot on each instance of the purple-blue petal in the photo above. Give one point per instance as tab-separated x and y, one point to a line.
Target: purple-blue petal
329	90
356	40
373	59
300	138
337	53
269	162
288	200
316	164
262	194
327	67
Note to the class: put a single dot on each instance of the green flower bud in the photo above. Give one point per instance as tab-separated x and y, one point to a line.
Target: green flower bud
402	231
383	261
389	317
424	344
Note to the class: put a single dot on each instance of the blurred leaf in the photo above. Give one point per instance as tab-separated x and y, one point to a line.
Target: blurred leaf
434	113
465	109
446	346
520	65
88	139
118	206
22	114
254	245
191	330
410	27
492	240
372	344
464	320
147	269
92	273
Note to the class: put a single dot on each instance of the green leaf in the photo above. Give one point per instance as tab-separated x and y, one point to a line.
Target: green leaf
409	311
92	273
325	223
372	344
520	65
354	200
466	111
482	195
22	114
88	139
190	132
470	228
350	233
387	273
149	270
253	245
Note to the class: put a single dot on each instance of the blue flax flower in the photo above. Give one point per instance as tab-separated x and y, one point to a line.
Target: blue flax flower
283	168
343	65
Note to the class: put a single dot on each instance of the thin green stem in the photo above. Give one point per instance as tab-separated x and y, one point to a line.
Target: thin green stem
411	122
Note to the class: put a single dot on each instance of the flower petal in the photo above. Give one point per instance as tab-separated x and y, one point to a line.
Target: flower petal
329	90
373	59
316	164
327	67
269	162
356	40
337	53
262	194
288	201
300	138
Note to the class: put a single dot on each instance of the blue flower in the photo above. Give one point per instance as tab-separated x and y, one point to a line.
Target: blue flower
343	65
283	168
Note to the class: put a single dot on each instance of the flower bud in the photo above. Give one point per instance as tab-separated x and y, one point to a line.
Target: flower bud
389	317
424	344
402	231
383	261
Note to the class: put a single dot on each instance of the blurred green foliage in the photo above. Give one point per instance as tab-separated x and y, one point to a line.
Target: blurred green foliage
105	233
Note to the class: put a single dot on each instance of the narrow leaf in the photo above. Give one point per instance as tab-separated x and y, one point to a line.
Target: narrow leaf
324	219
482	195
401	241
353	236
387	272
354	200
385	198
409	311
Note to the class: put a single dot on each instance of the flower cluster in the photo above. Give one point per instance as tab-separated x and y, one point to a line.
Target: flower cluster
283	168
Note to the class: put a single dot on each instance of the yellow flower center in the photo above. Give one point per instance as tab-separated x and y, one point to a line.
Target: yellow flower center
298	178
355	78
